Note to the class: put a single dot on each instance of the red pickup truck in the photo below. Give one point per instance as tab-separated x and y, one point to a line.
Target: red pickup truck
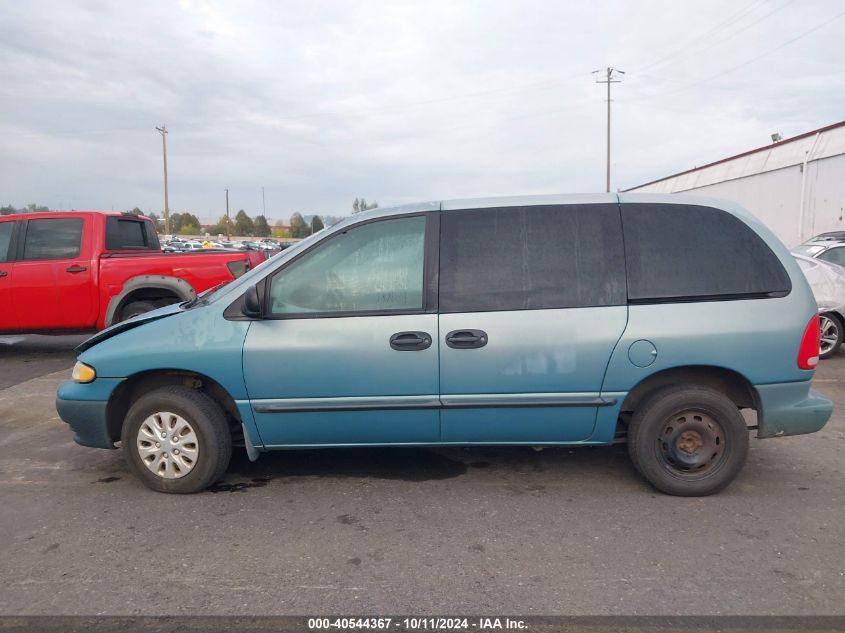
86	270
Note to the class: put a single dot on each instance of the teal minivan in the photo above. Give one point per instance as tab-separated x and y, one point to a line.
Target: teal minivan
536	321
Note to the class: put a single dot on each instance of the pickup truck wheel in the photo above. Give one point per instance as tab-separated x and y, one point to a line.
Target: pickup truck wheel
135	308
688	440
176	439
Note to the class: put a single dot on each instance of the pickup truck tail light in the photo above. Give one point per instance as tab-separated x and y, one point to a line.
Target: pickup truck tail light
238	268
808	353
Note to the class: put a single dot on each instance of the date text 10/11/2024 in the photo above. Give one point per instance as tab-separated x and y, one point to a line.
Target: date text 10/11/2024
416	624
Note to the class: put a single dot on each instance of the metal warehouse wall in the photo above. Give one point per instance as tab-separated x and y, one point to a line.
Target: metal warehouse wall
768	182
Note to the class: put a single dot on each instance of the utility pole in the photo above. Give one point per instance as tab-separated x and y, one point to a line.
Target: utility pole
163	131
263	203
610	78
228	221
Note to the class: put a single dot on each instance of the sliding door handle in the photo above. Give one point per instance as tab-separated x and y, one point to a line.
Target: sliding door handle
466	339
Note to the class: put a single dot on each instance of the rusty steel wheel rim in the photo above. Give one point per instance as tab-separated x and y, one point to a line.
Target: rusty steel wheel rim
691	444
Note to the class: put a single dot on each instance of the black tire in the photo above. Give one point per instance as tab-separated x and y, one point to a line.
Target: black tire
834	328
214	440
135	308
688	440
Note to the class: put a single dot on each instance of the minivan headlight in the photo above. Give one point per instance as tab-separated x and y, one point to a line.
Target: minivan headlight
83	373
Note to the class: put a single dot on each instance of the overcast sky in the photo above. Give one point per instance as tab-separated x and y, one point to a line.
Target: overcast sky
323	101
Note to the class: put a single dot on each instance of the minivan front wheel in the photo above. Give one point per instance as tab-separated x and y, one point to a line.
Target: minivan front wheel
688	440
176	439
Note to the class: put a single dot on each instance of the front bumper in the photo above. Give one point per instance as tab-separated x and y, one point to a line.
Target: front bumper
791	408
83	407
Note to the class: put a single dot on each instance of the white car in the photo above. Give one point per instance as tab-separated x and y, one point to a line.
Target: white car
828	284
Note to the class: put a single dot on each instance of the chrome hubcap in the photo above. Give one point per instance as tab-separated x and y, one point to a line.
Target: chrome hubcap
829	334
168	445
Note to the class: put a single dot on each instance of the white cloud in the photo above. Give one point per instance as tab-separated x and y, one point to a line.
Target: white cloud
323	101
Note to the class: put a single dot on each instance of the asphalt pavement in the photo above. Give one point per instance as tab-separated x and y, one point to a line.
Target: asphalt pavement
369	531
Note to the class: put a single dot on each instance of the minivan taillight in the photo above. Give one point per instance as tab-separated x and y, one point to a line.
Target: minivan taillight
808	353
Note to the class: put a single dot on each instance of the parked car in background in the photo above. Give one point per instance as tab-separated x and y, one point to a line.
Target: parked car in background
830	250
656	318
828	284
86	270
832	236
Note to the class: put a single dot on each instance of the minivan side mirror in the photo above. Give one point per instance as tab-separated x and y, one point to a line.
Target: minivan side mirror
251	306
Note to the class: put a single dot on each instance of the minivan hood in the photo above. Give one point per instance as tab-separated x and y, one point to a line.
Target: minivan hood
129	324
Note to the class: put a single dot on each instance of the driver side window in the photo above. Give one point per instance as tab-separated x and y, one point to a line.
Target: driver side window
370	268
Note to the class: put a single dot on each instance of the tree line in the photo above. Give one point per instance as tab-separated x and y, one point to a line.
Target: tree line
30	208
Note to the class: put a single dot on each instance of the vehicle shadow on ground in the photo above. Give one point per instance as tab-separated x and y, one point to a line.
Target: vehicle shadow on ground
418	464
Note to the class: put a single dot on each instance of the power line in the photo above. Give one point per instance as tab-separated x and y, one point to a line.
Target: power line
727	22
746	62
720	41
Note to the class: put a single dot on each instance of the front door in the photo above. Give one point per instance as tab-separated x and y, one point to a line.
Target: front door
347	351
532	303
8	319
53	280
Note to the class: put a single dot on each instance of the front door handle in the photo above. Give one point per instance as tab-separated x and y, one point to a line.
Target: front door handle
3	273
76	269
466	339
410	341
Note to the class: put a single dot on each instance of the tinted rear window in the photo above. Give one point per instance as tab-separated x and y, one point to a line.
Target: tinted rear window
130	234
5	239
529	258
688	251
53	238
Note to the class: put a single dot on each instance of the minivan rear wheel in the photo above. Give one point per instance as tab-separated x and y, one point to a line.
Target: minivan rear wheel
176	439
688	440
831	334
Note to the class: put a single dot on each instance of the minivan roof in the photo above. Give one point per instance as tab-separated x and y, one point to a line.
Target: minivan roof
545	199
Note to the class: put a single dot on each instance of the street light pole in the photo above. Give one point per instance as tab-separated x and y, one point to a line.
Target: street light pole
609	79
228	237
163	131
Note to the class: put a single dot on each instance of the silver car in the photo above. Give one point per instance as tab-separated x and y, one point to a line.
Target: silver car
828	283
826	247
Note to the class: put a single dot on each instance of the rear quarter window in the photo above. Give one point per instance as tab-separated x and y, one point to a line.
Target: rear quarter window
688	252
129	234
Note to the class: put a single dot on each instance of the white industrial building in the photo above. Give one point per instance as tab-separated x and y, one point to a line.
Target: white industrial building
796	186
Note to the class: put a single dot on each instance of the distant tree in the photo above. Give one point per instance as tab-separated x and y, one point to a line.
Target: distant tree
175	222
188	219
34	208
262	228
298	226
188	228
220	227
135	211
317	224
362	205
279	231
8	210
244	225
154	217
